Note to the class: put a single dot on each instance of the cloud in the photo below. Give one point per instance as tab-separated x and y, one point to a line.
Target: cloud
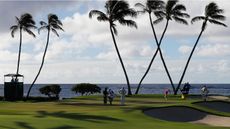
216	50
7	56
184	49
10	9
85	51
132	53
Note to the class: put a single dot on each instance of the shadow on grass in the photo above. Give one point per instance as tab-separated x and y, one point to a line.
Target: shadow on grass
149	102
133	109
66	127
24	125
77	116
6	127
87	104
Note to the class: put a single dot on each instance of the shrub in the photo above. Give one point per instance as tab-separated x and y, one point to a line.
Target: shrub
51	90
86	88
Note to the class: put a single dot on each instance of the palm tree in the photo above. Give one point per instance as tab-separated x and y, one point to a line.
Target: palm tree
212	15
151	6
24	23
53	25
172	11
116	10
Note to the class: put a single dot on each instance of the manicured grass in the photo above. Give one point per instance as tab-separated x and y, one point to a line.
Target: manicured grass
89	113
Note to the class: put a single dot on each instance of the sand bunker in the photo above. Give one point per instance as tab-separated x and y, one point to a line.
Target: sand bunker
217	97
216	105
187	114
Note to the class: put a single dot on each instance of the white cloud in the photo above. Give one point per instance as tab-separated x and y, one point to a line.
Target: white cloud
223	66
184	49
7	56
214	50
87	39
133	52
107	55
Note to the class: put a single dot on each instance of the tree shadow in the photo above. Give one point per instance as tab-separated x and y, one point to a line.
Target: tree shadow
24	125
20	124
77	116
132	109
149	102
6	127
87	104
66	127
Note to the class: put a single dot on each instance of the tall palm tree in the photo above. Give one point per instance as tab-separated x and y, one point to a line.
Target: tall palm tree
53	25
24	23
171	11
213	14
150	7
116	11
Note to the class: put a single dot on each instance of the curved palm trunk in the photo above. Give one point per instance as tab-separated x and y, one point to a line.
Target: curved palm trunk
43	60
162	58
154	56
19	52
123	67
186	66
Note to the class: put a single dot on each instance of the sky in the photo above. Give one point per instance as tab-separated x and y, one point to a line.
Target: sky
84	52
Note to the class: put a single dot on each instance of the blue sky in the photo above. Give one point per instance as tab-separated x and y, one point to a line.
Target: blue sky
85	51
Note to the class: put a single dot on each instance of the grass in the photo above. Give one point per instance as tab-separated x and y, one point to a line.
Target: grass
89	113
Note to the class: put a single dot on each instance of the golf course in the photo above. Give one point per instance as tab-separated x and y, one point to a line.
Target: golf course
89	112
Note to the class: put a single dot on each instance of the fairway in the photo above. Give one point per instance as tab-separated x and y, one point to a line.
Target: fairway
89	113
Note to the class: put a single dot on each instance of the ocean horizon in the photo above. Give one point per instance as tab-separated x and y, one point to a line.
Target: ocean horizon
217	89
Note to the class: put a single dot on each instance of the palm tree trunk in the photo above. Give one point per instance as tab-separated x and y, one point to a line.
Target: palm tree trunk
162	58
122	64
43	60
19	52
154	56
186	66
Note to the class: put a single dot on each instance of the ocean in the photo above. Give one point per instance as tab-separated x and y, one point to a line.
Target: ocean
217	89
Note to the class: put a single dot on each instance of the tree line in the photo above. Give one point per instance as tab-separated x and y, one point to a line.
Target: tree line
53	90
172	10
26	23
117	11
